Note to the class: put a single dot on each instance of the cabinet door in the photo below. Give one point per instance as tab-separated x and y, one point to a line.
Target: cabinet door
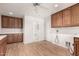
59	19
54	20
3	49
16	23
20	37
11	22
20	25
67	17
75	15
15	37
5	21
10	38
77	51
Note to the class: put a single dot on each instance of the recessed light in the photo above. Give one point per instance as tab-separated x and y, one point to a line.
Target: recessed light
56	5
10	13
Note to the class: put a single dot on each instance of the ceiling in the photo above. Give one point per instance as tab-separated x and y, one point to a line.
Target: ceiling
21	9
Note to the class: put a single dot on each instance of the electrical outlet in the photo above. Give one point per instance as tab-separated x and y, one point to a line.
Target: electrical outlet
57	31
67	44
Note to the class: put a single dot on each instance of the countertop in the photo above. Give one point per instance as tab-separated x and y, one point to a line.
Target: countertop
2	36
73	35
10	33
76	35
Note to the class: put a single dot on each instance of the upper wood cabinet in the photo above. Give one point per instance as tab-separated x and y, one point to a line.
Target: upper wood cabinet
11	22
56	19
5	21
18	23
67	17
75	15
59	19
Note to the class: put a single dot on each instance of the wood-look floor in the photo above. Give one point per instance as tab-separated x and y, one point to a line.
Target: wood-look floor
42	48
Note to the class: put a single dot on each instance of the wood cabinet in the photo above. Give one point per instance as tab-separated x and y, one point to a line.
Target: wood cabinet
5	21
59	19
3	44
18	23
56	20
11	22
76	46
67	17
12	38
75	15
20	37
53	20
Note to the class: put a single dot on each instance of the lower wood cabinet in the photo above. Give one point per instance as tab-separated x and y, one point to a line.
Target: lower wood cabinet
76	46
3	44
13	38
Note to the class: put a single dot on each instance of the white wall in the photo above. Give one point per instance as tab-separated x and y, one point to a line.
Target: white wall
65	34
33	29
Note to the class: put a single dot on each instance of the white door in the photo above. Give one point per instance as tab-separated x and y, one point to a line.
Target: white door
38	30
35	32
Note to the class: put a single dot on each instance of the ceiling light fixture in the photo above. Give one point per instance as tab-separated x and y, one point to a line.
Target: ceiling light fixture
56	5
36	4
10	13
